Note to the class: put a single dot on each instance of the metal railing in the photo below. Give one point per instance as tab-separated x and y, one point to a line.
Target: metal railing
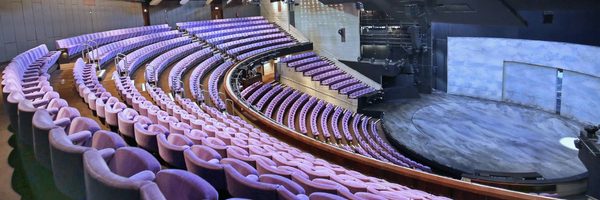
122	71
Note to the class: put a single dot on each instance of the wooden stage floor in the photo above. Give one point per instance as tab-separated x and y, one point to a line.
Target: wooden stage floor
469	134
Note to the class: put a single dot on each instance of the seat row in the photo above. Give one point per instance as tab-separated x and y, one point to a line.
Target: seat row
160	63
107	52
191	24
208	28
225	32
322	119
134	59
176	73
76	44
213	84
324	71
200	72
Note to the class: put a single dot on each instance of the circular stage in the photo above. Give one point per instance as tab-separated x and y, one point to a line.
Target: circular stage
473	135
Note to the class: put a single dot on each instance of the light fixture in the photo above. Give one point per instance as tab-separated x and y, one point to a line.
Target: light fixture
145	10
155	2
216	8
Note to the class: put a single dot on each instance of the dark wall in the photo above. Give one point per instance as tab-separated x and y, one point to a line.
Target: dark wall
581	27
172	12
25	24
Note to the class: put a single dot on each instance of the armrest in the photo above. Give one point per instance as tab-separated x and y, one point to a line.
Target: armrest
62	122
80	136
145	175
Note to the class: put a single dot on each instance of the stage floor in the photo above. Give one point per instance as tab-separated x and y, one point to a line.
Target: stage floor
468	134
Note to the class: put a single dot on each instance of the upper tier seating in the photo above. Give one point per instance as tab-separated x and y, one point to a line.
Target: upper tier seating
324	71
161	62
107	52
134	59
74	45
175	75
213	84
200	72
308	113
241	38
186	25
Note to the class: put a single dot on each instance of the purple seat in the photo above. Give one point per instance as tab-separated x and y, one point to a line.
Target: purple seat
118	174
287	189
205	162
145	133
171	147
267	166
216	144
183	185
126	119
42	124
241	154
67	156
111	112
316	185
325	196
243	181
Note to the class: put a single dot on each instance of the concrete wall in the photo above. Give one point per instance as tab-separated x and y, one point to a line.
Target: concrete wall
28	23
241	11
171	12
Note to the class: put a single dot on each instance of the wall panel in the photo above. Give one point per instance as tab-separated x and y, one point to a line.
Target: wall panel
476	68
530	85
581	97
28	23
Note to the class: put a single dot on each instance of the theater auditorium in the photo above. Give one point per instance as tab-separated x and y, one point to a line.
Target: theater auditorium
300	99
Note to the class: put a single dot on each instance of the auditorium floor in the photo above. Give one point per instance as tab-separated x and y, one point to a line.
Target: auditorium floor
469	134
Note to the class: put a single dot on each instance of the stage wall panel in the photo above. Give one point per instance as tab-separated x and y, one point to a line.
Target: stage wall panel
531	85
581	97
476	68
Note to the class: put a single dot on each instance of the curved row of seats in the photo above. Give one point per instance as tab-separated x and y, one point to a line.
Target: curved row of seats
175	75
327	73
134	59
200	72
191	24
213	84
107	52
323	120
75	45
160	63
241	38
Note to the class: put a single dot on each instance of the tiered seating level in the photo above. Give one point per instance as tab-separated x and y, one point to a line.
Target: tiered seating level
240	38
327	74
321	120
75	45
107	52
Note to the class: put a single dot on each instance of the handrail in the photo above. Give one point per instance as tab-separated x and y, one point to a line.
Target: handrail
428	182
121	57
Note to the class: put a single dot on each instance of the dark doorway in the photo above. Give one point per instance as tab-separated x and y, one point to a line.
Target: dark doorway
216	12
146	13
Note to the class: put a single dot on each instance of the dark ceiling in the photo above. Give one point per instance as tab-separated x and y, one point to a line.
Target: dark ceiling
491	12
